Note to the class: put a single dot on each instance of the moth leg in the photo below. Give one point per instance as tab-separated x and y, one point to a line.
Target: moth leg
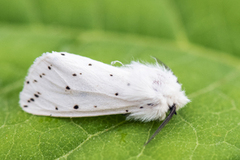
172	112
171	108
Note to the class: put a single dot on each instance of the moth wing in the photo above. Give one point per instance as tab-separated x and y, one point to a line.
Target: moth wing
67	85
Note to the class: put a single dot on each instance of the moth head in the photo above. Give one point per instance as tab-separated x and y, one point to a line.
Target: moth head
170	87
173	92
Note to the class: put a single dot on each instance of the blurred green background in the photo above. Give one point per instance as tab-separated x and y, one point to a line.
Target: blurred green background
198	40
214	24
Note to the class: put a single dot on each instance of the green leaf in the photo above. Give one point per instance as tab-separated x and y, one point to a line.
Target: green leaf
207	128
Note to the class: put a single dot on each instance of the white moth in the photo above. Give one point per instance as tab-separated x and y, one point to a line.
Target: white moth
68	85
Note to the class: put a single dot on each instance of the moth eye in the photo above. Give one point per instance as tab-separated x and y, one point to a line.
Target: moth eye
177	82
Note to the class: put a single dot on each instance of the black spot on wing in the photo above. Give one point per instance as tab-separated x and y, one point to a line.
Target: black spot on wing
67	87
116	94
76	107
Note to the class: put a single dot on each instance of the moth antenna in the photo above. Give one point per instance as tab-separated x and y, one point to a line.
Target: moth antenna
161	63
172	112
114	62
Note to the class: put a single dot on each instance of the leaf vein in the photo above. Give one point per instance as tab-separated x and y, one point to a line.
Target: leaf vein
91	136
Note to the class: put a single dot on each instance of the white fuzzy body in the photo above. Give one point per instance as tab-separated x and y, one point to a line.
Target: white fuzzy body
68	85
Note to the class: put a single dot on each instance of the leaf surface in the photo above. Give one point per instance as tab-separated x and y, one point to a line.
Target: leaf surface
207	128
